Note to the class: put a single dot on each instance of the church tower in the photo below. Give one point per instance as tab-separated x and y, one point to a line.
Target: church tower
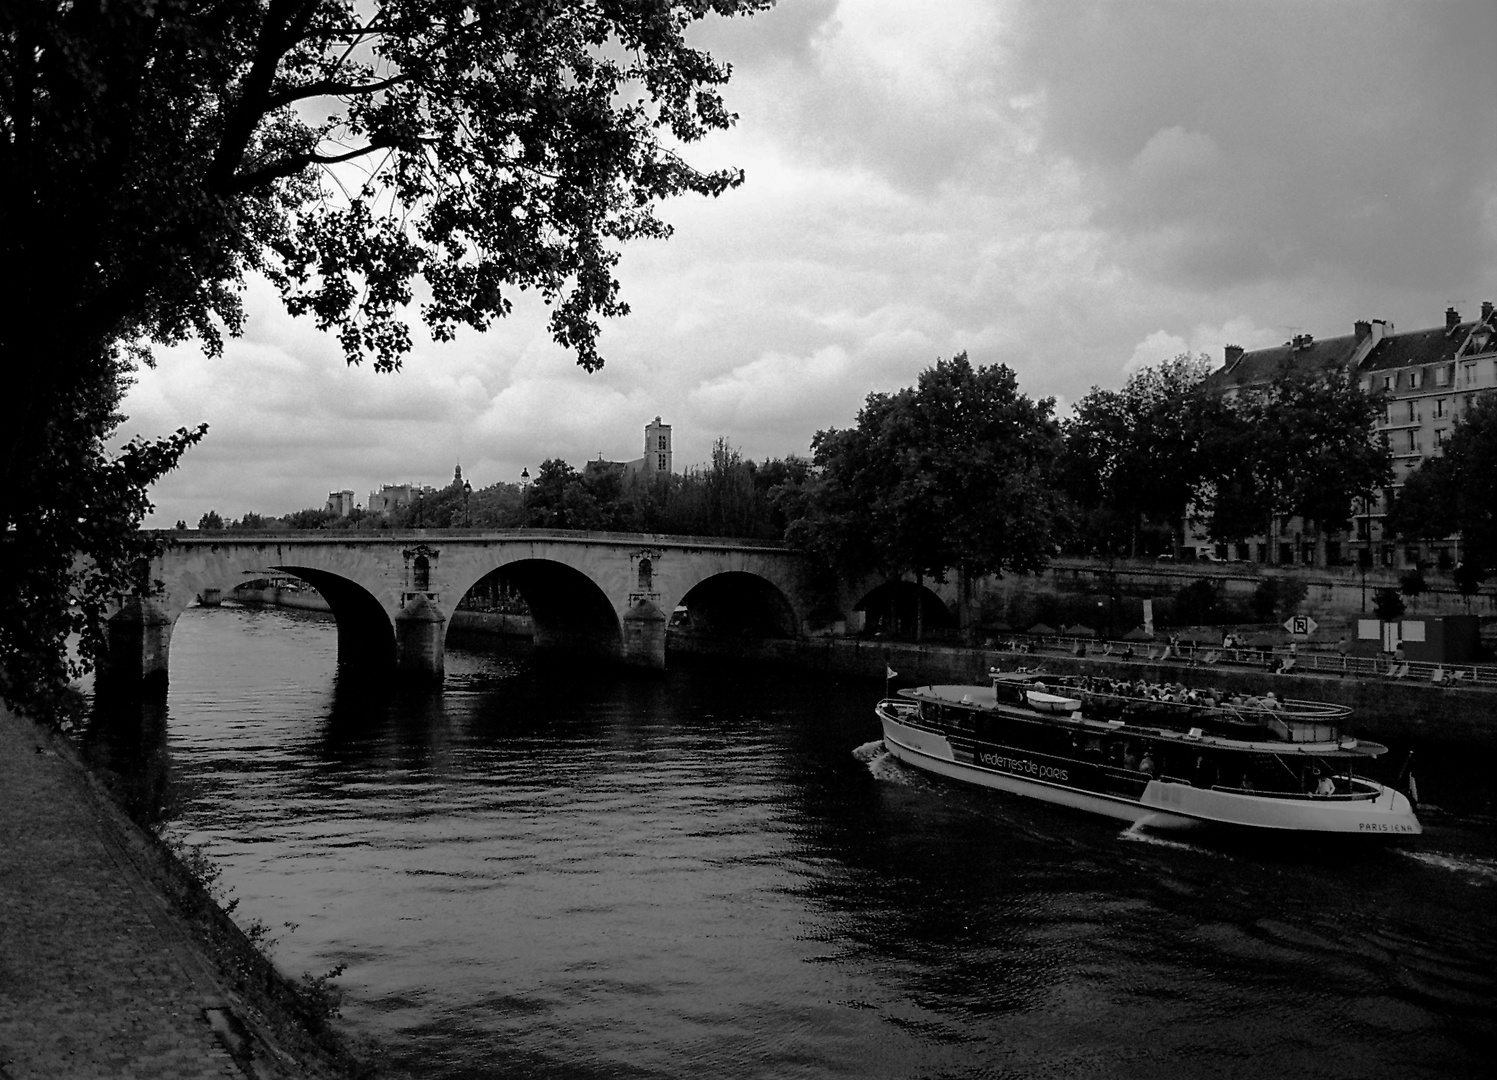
657	448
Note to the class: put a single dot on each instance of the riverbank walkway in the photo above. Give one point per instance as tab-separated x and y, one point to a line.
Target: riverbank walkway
100	976
95	979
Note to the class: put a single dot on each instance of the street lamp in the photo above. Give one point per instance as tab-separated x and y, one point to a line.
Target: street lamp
467	493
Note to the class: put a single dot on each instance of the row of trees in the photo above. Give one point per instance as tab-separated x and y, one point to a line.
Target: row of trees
1162	450
728	496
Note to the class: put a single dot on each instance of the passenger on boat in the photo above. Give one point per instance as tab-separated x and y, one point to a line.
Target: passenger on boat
1325	786
1147	764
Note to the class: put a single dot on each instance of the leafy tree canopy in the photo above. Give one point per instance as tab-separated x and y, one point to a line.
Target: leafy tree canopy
951	474
153	153
1304	445
1134	453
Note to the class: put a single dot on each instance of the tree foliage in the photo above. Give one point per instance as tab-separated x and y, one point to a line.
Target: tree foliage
1135	453
1303	445
154	153
954	473
1456	492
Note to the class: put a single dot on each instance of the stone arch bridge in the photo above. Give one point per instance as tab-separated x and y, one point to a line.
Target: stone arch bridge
392	593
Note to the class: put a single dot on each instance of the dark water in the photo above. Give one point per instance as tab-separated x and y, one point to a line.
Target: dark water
567	873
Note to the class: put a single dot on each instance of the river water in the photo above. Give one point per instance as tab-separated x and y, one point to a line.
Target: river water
567	872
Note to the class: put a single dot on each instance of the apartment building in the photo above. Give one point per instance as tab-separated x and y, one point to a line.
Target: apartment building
1430	378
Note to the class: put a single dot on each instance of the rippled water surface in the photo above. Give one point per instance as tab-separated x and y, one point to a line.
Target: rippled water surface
561	871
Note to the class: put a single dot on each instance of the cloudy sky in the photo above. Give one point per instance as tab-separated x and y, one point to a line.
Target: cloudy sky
1069	188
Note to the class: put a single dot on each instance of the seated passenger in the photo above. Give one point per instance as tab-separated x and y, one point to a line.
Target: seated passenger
1147	764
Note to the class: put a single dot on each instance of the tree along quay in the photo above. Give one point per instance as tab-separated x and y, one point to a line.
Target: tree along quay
1382	709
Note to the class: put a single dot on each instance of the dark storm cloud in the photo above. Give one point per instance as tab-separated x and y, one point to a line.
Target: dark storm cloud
1231	143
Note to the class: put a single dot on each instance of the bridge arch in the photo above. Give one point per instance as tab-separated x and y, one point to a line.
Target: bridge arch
140	632
568	608
897	608
740	603
366	635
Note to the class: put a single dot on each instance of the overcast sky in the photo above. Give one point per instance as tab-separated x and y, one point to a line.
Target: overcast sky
1068	188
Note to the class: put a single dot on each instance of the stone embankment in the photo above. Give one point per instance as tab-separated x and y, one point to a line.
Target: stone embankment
114	961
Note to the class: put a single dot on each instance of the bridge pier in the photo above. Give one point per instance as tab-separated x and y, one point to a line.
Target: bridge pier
644	636
140	637
420	632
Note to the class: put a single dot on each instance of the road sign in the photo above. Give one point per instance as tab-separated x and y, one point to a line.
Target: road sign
1301	624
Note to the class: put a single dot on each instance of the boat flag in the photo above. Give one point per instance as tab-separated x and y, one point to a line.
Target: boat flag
889	672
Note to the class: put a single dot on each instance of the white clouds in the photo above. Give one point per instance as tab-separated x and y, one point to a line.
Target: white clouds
1073	189
1154	349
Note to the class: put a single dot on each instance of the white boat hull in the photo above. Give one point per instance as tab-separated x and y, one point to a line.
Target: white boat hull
1164	805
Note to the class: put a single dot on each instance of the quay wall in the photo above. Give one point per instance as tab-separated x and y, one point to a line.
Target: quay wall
276	596
1335	596
492	622
1382	709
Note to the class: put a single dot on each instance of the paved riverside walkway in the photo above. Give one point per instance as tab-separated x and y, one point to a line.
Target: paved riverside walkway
100	975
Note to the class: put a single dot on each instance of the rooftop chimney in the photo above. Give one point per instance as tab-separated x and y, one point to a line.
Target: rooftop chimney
1452	318
1234	354
1486	310
1362	328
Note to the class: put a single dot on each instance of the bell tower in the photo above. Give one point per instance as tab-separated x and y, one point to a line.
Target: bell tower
657	448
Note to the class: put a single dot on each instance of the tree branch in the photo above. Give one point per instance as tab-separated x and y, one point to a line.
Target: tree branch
297	162
331	88
285	22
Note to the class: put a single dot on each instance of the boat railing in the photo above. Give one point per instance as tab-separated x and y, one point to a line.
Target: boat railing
1305	796
1282	712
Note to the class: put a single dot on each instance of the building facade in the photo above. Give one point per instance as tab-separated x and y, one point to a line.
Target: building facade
1429	379
391	496
340	503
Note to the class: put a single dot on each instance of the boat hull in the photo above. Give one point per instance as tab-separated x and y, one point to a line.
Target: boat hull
1156	804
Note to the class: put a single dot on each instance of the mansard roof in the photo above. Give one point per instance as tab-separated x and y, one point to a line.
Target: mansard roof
1437	344
1260	367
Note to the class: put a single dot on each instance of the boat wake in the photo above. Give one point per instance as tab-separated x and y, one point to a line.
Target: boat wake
1139	833
882	764
1472	865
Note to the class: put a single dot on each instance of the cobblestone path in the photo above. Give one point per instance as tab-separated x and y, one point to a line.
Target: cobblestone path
96	980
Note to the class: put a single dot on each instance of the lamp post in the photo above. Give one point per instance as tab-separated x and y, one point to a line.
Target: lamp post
467	513
525	496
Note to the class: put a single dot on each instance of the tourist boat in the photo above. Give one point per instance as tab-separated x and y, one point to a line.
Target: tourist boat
1163	757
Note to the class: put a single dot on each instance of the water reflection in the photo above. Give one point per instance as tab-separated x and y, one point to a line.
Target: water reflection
554	872
125	743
